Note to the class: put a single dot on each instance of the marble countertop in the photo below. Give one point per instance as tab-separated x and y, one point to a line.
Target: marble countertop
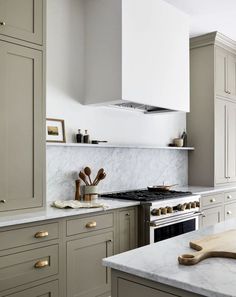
158	262
206	190
54	213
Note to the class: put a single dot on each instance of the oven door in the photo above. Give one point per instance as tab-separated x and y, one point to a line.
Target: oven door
166	228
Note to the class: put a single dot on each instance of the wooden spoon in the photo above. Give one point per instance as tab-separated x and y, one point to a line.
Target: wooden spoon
87	171
100	177
100	171
83	177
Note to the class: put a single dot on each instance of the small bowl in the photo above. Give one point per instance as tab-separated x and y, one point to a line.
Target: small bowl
179	142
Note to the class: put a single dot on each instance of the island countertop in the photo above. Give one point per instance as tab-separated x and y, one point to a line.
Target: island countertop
215	277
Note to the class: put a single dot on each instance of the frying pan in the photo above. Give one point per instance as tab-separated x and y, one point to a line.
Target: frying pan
161	188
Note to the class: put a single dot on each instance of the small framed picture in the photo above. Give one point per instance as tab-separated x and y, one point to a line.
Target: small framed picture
55	130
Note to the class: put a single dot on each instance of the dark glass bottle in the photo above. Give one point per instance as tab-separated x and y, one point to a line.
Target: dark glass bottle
79	137
184	137
86	137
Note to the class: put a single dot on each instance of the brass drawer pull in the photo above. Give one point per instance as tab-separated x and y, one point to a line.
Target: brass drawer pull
213	200
3	201
91	225
41	234
229	197
127	214
2	24
229	212
41	264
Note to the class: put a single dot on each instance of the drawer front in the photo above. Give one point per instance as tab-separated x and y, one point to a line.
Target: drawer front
45	290
207	201
230	196
230	211
89	224
28	235
25	267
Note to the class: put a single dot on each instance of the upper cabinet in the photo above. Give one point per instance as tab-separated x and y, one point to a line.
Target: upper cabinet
137	55
22	20
211	123
225	73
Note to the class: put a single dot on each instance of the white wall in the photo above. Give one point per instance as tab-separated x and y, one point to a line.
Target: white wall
65	88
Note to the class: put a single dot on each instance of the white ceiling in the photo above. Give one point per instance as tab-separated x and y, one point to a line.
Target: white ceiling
209	15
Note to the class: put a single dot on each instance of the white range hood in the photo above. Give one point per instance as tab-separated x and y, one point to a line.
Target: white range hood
136	55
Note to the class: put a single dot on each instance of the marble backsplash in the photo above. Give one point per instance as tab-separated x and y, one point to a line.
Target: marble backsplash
126	168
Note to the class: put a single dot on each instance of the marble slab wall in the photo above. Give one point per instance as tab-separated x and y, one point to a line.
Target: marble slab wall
126	168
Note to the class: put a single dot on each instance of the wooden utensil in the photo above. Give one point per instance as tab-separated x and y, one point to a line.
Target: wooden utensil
218	245
100	177
87	171
83	177
77	190
100	171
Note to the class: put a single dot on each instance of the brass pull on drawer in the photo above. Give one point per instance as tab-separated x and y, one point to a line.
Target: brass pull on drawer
41	264
3	201
91	225
41	234
2	23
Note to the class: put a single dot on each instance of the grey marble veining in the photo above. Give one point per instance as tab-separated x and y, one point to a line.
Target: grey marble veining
158	262
126	168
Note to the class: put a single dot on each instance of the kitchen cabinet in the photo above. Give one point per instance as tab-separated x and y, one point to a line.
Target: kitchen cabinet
211	123
21	127
127	239
211	216
230	211
85	274
22	20
225	73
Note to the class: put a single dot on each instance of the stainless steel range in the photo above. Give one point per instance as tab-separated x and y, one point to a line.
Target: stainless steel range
163	214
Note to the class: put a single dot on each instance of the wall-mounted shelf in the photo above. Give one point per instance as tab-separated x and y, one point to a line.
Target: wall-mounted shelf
132	146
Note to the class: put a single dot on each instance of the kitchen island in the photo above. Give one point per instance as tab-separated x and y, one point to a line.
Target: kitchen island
154	270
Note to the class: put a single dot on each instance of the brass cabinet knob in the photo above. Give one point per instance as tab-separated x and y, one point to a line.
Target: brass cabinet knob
229	212
2	23
91	224
41	234
229	197
212	200
3	201
127	214
41	264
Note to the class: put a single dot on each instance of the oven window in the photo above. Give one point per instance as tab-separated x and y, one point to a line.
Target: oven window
174	230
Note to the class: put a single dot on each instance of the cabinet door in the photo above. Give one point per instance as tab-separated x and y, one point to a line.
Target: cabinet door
221	72
86	276
127	230
220	141
21	127
231	142
22	19
211	216
230	211
45	290
231	81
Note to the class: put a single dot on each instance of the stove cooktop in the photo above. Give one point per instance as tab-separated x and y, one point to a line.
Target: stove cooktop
145	195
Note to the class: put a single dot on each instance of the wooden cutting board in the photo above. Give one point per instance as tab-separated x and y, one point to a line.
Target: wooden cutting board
218	245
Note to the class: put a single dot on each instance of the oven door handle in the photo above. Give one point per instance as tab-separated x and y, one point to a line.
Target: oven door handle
167	222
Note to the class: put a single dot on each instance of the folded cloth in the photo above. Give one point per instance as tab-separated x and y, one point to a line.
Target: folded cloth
77	204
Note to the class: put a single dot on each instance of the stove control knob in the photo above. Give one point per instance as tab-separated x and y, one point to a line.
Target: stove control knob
156	212
164	210
188	205
197	203
181	207
193	204
169	209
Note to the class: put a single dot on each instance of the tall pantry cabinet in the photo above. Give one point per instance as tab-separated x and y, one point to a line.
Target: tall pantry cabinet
22	104
212	119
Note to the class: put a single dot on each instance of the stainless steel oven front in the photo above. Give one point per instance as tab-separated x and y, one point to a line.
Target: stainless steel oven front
165	228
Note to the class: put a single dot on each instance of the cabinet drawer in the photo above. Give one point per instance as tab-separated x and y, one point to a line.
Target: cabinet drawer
28	235
230	211
45	290
211	200
25	267
89	224
230	196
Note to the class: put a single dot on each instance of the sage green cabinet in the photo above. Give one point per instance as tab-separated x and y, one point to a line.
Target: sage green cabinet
86	277
127	234
22	19
46	290
22	151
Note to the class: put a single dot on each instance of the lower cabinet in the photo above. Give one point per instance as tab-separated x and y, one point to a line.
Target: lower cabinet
127	234
212	216
45	290
86	277
230	211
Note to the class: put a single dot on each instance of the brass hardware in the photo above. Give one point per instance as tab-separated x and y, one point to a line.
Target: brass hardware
91	225
127	214
2	24
3	201
41	234
213	200
41	264
229	212
229	197
109	241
